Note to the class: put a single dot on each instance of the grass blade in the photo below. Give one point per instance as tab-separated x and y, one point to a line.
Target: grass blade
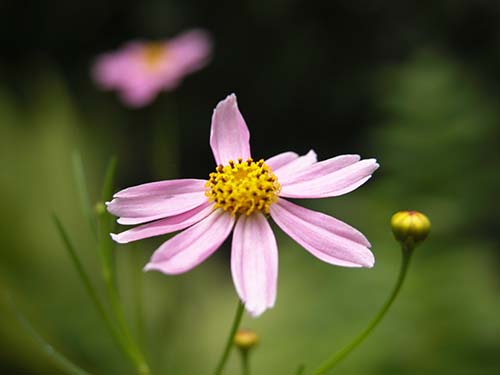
88	284
106	246
59	359
83	193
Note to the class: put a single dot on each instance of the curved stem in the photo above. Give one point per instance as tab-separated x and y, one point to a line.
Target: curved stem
116	327
229	342
59	359
342	353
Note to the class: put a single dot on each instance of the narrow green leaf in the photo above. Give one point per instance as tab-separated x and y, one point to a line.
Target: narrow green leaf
106	247
106	225
81	185
68	245
109	179
58	358
116	333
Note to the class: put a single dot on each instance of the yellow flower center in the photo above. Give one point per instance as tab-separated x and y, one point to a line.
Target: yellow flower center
153	53
243	187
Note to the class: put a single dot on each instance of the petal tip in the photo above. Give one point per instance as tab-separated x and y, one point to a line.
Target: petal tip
149	267
118	238
255	311
228	100
370	261
374	162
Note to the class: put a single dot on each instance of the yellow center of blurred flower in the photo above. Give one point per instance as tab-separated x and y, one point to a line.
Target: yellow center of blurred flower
153	53
243	187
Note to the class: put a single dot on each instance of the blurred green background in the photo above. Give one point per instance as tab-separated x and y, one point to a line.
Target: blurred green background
414	84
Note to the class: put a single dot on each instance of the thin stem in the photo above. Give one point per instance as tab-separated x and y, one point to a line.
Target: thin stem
245	362
83	275
129	341
342	353
230	339
58	358
116	332
137	292
106	246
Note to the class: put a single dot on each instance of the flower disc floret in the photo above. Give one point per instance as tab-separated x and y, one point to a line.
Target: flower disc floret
243	187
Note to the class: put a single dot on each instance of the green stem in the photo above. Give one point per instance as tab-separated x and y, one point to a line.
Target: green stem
342	353
245	363
83	275
133	349
230	339
113	329
137	292
106	247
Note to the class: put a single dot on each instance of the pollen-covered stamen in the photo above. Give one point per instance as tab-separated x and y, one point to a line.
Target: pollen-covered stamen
242	187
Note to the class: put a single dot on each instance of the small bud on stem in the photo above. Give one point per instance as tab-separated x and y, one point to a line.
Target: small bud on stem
410	227
100	208
245	339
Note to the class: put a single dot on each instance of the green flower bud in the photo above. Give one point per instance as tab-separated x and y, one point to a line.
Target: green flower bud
100	208
245	339
410	227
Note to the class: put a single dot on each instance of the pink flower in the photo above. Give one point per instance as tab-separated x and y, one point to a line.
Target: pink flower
239	195
140	70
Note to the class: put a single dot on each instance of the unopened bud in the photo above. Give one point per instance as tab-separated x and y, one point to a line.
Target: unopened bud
410	227
100	208
245	339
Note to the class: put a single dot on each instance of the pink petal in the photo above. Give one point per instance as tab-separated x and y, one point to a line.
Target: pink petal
191	247
295	165
342	181
326	238
185	185
280	160
319	169
254	263
140	94
157	200
111	68
189	51
164	226
229	136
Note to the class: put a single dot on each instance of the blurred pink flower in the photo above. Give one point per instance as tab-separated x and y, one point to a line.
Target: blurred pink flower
140	70
239	195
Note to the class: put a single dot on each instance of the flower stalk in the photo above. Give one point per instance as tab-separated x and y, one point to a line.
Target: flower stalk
245	366
409	228
229	343
109	275
338	356
101	224
245	340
